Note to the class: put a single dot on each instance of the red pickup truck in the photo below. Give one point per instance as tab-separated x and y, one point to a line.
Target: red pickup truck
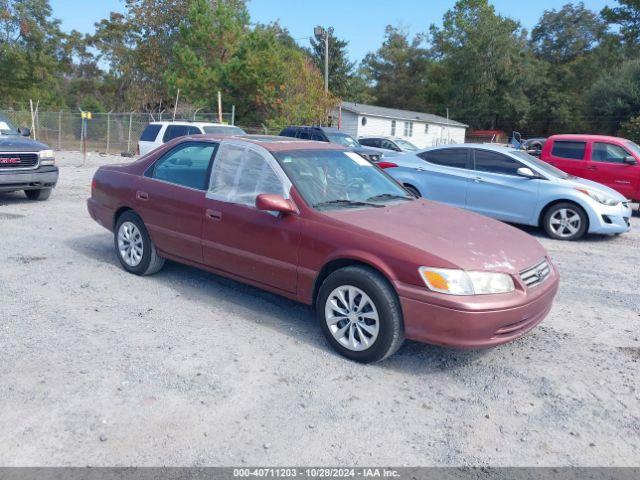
611	161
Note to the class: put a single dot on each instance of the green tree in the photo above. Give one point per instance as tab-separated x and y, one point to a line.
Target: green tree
627	16
398	71
341	69
615	98
485	69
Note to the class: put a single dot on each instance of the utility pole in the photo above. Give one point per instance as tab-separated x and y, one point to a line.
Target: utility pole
323	34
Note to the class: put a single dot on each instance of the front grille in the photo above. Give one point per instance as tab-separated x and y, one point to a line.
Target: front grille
536	275
18	160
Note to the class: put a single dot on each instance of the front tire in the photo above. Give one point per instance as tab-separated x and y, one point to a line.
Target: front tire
135	250
565	221
38	195
360	314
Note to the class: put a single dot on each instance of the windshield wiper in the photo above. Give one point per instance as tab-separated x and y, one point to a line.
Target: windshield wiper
389	196
347	203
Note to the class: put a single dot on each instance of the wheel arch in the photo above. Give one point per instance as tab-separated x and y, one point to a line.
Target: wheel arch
347	261
550	204
118	213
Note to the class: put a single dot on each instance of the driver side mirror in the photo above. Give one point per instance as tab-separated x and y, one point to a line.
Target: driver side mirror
275	203
24	131
526	172
629	160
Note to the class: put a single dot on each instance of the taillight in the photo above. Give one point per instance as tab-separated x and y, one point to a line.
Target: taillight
93	184
386	164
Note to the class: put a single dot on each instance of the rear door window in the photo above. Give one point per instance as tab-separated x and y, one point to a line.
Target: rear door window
186	165
608	152
493	162
449	157
304	134
150	133
569	149
175	131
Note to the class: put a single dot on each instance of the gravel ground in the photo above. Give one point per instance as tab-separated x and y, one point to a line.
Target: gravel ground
99	367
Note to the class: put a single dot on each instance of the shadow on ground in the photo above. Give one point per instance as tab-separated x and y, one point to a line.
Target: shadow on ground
283	315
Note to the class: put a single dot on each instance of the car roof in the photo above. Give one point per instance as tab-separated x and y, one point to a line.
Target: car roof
585	137
483	146
274	143
196	124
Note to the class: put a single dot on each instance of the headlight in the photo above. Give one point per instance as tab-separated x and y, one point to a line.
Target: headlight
47	157
600	197
459	282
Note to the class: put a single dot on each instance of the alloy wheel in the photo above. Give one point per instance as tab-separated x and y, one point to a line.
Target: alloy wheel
565	222
130	244
352	318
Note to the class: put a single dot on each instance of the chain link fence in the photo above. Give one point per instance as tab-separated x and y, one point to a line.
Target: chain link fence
111	133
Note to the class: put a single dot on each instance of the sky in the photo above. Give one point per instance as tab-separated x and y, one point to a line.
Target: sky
360	22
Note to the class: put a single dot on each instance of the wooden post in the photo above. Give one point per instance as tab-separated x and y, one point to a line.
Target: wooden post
219	107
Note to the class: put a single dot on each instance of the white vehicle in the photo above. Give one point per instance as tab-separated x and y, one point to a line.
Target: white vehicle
158	133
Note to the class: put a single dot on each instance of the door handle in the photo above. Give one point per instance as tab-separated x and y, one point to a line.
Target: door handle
213	215
142	195
478	180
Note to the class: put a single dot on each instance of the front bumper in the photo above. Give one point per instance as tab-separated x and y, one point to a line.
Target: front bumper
608	220
41	177
475	322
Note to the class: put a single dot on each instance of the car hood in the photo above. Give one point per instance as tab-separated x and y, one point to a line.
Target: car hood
575	182
17	143
459	238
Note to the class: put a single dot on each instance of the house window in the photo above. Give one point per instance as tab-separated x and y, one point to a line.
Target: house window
393	128
408	129
364	121
426	128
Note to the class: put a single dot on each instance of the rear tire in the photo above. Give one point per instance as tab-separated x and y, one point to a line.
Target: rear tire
565	221
135	250
38	195
413	190
360	314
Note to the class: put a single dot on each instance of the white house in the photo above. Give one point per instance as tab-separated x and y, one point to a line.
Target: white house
421	129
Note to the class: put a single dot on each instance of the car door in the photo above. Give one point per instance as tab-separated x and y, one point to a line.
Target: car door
497	190
569	156
170	198
239	239
607	166
445	175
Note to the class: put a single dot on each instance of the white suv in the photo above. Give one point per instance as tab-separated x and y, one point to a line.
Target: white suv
157	133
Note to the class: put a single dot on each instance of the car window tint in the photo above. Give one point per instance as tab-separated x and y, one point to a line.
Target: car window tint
570	150
240	174
150	133
194	131
452	157
388	145
608	152
175	131
186	165
304	134
493	162
317	137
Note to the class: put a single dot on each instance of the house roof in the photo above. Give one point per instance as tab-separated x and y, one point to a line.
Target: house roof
374	111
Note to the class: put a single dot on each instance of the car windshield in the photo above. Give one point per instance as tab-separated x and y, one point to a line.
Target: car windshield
541	165
223	130
332	179
403	144
342	139
6	128
634	147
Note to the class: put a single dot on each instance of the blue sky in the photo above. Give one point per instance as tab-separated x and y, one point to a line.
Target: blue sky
361	22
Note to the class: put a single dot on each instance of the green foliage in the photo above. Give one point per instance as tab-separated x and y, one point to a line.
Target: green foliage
631	129
627	16
341	69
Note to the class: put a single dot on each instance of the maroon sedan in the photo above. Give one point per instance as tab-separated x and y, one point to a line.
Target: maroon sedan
316	223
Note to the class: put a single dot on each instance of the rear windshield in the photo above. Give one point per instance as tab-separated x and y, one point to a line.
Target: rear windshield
223	130
150	133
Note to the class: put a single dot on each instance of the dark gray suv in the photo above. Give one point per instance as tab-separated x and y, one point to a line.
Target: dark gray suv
24	163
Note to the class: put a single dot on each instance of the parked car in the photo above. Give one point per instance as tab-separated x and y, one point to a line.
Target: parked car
24	163
388	143
333	135
159	133
611	161
513	186
271	213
